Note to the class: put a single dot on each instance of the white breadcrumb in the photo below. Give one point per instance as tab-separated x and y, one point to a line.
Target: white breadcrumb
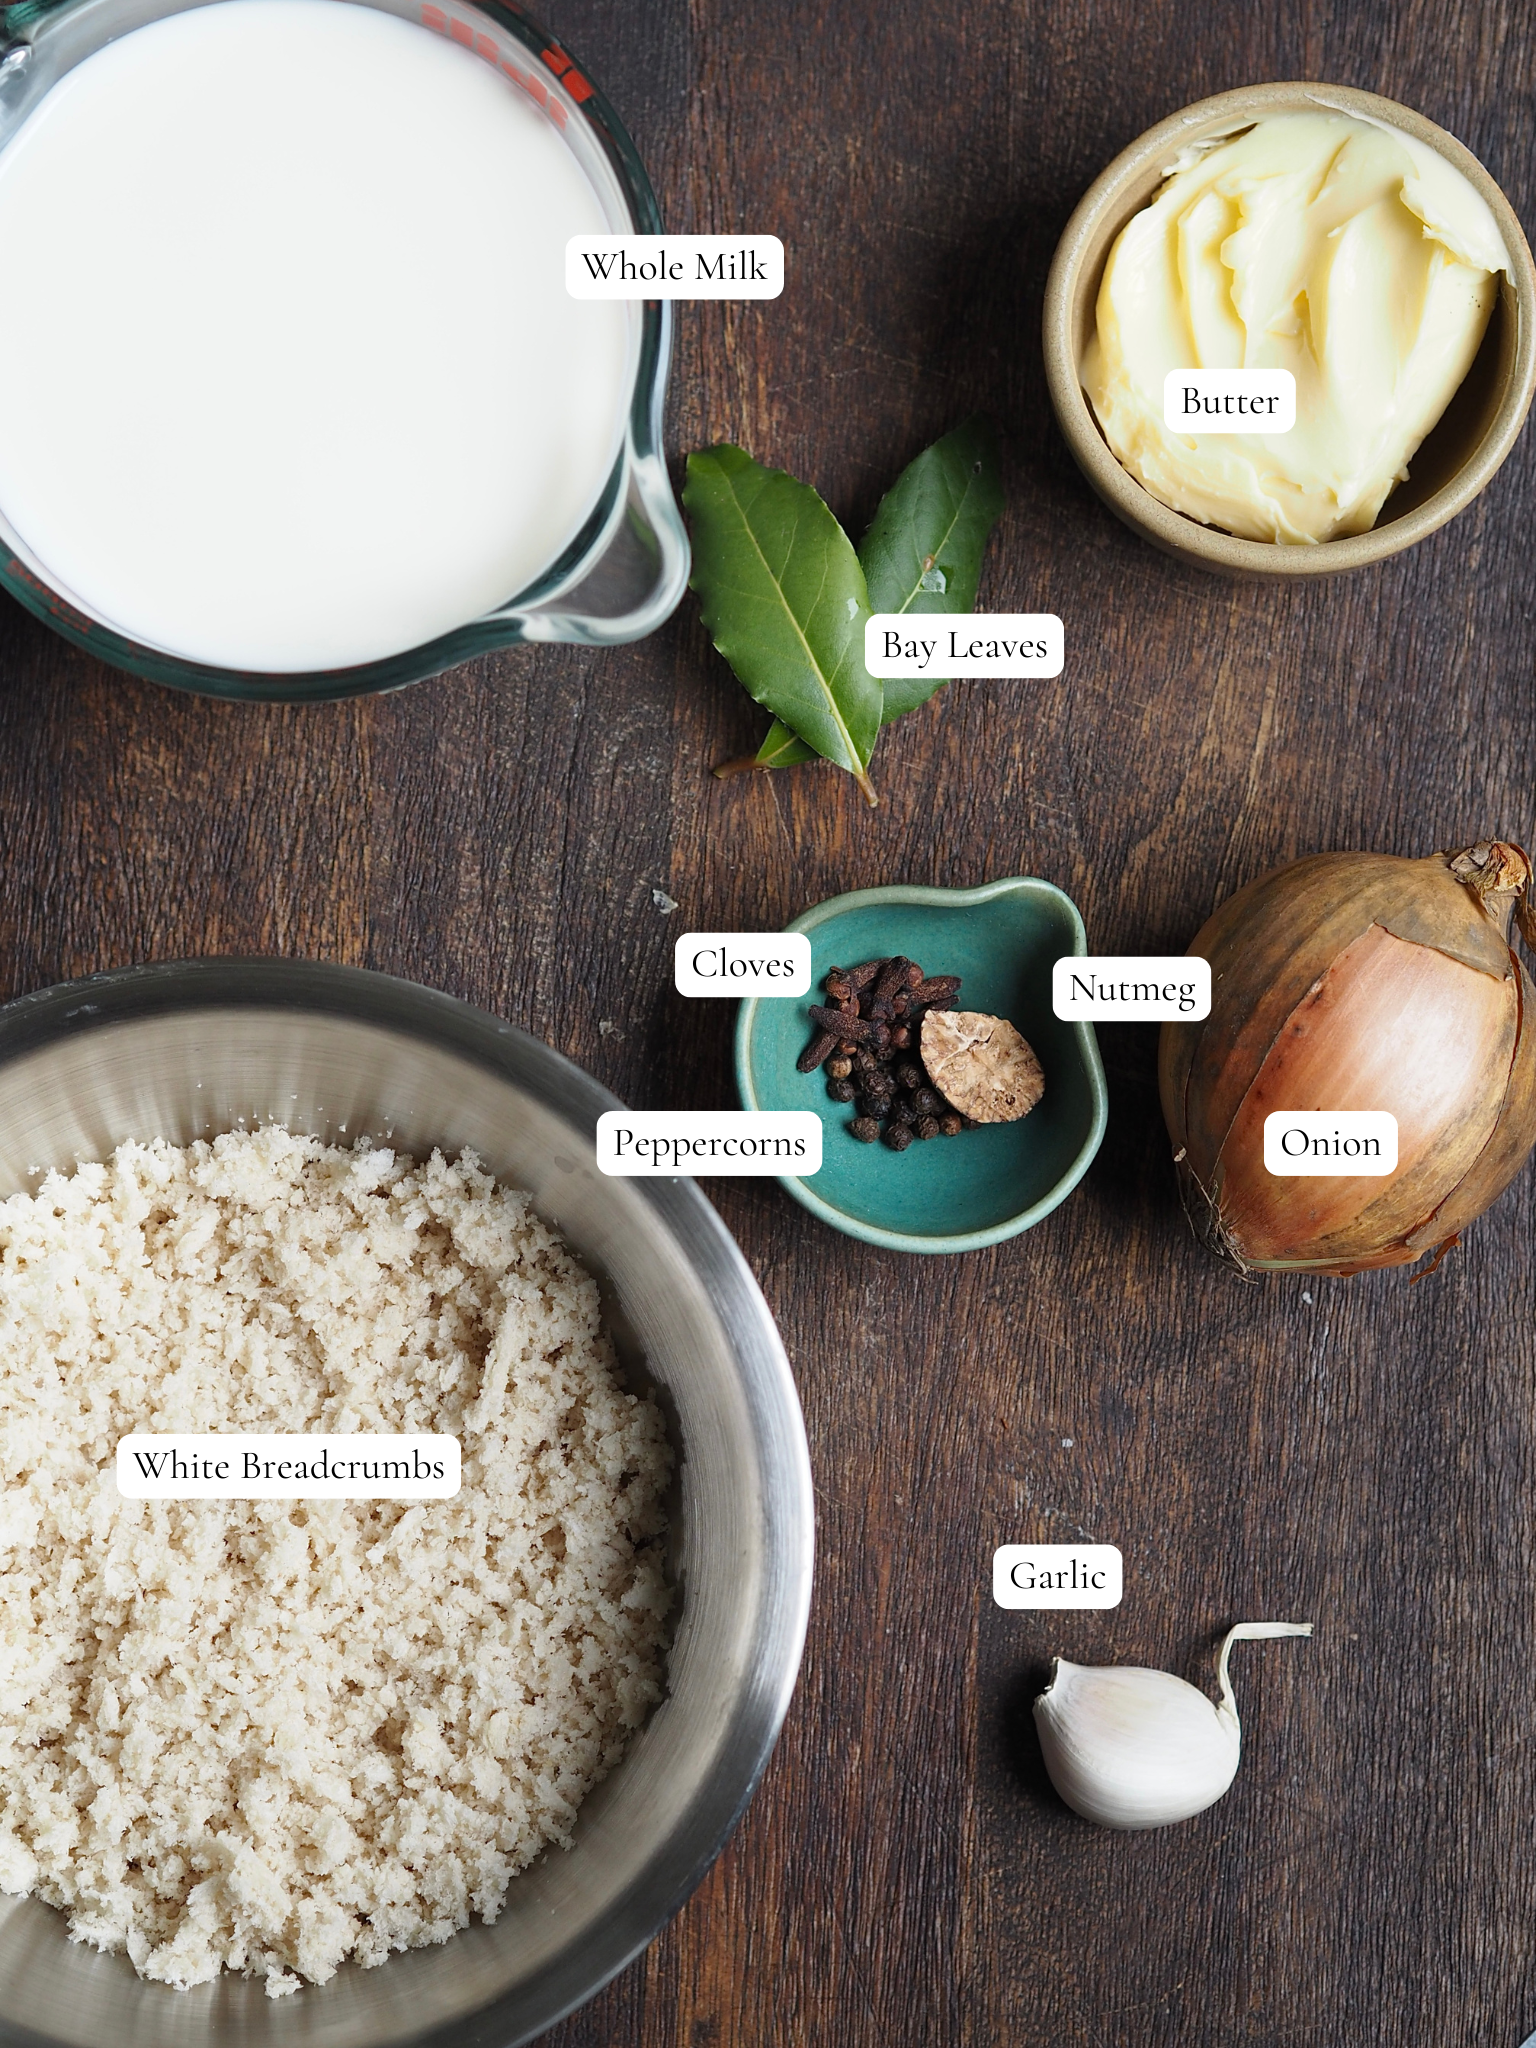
271	1735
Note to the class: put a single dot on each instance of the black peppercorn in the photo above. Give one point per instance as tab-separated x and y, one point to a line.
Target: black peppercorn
867	1036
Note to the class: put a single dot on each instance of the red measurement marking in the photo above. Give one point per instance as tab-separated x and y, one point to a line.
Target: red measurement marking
535	88
443	24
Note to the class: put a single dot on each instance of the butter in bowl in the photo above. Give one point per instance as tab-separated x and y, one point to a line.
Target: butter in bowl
1328	236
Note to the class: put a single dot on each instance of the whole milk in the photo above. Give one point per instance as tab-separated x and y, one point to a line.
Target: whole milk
295	381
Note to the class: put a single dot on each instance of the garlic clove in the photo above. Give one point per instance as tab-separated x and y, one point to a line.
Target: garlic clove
1132	1748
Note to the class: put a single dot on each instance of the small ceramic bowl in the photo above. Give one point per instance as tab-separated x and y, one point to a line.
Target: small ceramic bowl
949	1194
1455	461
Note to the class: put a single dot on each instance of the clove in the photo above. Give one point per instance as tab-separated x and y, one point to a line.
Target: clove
868	1035
824	1043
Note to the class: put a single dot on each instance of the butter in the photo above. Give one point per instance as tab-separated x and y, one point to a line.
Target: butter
1349	254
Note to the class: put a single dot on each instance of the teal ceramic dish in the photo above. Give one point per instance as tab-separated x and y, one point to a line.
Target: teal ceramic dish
950	1194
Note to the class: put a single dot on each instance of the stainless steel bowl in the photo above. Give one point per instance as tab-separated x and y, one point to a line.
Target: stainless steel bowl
194	1048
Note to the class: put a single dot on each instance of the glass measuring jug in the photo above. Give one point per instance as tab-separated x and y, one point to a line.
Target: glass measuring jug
615	579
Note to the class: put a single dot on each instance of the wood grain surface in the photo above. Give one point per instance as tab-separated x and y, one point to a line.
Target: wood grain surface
1357	1453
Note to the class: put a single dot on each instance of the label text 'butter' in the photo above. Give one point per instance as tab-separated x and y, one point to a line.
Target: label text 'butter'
1229	401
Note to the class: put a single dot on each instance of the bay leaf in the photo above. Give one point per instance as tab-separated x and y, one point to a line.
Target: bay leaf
784	748
783	598
922	553
924	546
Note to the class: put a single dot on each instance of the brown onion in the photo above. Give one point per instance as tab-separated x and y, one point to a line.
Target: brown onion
1358	981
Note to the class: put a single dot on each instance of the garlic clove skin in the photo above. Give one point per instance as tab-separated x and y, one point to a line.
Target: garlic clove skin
1132	1748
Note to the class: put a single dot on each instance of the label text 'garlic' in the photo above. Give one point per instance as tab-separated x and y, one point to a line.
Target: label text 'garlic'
1057	1575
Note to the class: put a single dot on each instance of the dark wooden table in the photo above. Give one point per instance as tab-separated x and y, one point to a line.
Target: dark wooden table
1355	1452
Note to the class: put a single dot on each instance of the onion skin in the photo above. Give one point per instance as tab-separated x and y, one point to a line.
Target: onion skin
1358	981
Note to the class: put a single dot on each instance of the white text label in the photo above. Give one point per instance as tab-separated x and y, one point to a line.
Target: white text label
1229	401
1131	989
642	1144
742	964
1057	1575
976	645
1342	1141
674	266
267	1467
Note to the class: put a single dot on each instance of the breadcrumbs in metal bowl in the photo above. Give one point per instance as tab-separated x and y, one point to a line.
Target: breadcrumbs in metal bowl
271	1735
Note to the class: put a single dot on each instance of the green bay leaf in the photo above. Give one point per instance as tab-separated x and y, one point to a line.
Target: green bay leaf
783	598
924	546
922	553
784	748
905	693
